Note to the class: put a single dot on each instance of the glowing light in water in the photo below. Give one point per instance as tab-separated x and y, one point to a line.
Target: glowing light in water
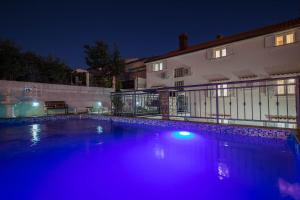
223	171
35	104
99	129
183	135
35	130
159	152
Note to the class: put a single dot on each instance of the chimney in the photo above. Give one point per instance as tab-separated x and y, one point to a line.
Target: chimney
183	41
219	37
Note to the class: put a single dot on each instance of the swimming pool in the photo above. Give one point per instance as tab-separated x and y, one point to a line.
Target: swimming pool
104	159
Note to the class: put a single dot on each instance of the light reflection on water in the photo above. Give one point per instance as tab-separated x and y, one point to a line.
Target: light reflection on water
35	137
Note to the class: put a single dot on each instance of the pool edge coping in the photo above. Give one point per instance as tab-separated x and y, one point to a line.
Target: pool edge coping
246	130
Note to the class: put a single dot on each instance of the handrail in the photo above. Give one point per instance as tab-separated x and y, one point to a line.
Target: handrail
213	84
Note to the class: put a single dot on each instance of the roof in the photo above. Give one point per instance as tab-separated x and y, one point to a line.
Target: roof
80	71
233	38
139	60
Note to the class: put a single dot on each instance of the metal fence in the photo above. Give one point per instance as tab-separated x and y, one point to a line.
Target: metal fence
265	102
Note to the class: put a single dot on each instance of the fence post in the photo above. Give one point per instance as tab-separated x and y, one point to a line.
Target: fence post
134	103
164	103
217	104
297	88
111	104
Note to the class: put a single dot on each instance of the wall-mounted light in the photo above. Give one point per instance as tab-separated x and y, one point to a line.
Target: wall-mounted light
99	104
35	104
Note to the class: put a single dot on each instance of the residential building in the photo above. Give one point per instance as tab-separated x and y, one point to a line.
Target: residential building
270	52
266	52
135	74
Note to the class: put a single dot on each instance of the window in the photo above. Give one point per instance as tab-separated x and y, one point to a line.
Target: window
286	87
217	54
287	38
179	72
291	88
222	90
279	40
179	83
224	52
157	67
280	88
220	52
290	38
182	103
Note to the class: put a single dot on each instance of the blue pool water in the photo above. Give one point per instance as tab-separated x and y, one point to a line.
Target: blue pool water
91	159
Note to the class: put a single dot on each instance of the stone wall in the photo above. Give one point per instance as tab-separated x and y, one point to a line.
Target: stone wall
22	95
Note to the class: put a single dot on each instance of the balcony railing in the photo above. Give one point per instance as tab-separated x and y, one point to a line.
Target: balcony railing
265	102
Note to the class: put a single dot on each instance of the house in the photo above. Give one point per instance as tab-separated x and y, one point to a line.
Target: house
222	72
80	77
135	74
266	52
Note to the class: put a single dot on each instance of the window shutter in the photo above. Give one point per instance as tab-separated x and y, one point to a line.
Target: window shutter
209	54
229	51
165	65
297	34
151	67
187	71
269	41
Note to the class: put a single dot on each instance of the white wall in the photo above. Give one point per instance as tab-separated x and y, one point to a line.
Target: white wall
252	56
256	56
78	97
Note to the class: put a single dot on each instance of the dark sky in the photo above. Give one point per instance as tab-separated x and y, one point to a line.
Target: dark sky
139	28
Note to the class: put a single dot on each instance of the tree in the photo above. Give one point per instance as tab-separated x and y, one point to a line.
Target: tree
10	61
118	66
28	66
32	64
55	71
105	63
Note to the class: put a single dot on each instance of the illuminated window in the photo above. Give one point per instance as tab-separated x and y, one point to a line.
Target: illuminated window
224	52
158	66
290	38
291	88
222	90
220	52
286	87
280	87
279	40
287	38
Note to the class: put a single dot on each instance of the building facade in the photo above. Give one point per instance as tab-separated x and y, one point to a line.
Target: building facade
134	77
267	52
226	70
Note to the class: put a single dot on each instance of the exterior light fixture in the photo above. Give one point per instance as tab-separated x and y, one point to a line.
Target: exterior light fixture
185	135
35	104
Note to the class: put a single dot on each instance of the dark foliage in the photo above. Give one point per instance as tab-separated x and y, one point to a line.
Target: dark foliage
27	66
105	63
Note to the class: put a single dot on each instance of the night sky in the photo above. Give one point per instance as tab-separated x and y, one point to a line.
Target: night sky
139	28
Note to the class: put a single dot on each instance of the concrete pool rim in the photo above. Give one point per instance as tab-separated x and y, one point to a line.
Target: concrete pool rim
265	132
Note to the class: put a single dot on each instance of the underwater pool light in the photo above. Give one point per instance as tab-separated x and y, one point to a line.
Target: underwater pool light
183	135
